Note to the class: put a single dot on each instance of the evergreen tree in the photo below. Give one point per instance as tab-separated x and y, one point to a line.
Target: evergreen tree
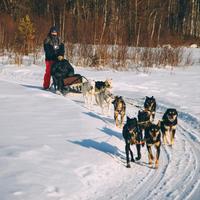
25	35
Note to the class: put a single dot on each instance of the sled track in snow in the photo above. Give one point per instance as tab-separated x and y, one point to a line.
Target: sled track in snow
182	172
178	175
193	177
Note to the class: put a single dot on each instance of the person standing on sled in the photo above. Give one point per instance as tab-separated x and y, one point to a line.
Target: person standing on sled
54	50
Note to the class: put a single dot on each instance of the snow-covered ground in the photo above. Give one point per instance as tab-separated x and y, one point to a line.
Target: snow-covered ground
54	148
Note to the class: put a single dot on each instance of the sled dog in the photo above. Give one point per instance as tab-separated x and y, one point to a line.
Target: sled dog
131	135
150	106
88	91
103	85
153	138
104	99
119	110
98	90
143	120
168	125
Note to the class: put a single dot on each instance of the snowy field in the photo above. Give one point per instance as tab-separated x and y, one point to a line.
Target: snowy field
54	148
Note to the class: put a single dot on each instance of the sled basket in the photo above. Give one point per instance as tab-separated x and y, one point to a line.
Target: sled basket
75	79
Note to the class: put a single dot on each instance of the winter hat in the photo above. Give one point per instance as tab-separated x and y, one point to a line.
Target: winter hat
53	29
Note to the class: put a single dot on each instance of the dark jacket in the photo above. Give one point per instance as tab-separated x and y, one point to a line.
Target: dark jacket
53	47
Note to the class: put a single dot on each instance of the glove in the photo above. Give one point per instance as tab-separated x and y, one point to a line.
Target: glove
60	58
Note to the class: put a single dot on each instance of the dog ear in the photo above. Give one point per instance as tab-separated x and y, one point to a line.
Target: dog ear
128	118
176	112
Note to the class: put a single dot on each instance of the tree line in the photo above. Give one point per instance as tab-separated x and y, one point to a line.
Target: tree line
25	24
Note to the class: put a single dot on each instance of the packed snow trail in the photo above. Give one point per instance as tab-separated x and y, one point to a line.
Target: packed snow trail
53	147
178	175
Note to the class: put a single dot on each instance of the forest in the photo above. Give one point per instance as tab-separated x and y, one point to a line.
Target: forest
138	23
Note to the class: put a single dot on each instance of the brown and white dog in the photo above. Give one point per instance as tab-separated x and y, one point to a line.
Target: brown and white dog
119	110
153	138
168	125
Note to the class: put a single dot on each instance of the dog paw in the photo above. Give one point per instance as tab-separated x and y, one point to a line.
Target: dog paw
151	165
150	162
128	165
132	160
172	142
138	158
156	164
121	125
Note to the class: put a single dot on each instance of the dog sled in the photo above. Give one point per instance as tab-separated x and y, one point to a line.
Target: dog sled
64	78
74	83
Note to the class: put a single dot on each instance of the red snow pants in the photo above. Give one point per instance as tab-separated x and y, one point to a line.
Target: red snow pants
47	75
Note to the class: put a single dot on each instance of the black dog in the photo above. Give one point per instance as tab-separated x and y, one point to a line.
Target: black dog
168	125
143	120
153	138
119	110
150	106
132	135
59	71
